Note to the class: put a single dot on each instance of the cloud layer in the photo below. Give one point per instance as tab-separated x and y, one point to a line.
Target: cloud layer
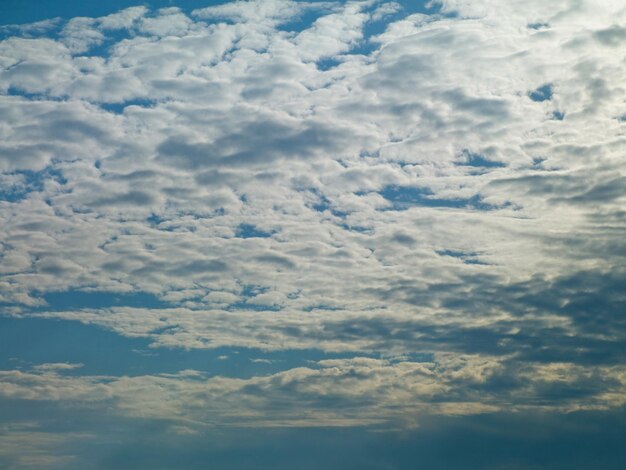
435	200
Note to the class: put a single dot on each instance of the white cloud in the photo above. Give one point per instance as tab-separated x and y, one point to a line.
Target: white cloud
124	19
134	172
335	392
80	34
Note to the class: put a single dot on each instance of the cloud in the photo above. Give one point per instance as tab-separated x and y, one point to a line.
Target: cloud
282	178
25	445
333	392
261	11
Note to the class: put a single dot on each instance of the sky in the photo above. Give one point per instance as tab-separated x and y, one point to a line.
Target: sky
333	234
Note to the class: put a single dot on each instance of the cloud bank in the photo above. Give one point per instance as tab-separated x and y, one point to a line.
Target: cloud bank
434	200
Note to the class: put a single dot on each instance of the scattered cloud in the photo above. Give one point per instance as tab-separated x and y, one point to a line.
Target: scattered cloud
346	177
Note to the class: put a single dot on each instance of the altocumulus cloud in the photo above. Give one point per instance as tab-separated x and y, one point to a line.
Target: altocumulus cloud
354	214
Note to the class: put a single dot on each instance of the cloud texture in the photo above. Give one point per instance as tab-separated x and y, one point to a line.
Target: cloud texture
432	200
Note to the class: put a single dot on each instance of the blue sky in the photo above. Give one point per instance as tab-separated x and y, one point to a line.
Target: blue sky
283	234
17	12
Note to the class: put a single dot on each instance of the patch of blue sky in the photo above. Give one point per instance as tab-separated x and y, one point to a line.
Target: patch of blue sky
25	182
20	11
328	63
426	7
558	115
467	258
477	160
154	219
75	300
17	91
118	108
405	197
29	341
251	231
538	163
543	93
173	225
538	25
324	204
249	291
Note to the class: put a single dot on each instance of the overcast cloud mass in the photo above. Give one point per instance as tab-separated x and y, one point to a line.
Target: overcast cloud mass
288	234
